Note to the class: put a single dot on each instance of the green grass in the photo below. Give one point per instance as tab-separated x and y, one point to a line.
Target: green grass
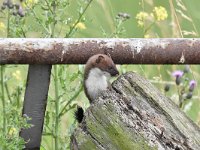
99	20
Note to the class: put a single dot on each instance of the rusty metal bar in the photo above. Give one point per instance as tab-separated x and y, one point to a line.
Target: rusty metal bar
35	101
77	51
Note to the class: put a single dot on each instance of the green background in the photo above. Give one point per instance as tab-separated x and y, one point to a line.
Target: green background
100	22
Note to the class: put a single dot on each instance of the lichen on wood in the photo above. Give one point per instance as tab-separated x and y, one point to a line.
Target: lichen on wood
135	115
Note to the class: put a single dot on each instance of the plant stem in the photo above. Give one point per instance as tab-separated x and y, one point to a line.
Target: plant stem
57	102
176	18
63	111
180	97
80	17
2	78
8	24
148	28
23	33
56	107
39	21
49	7
3	100
18	97
8	93
54	16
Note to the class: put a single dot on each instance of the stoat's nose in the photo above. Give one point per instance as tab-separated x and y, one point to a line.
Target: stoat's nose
114	72
117	73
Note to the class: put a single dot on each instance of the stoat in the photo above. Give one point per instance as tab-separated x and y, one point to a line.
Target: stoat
98	70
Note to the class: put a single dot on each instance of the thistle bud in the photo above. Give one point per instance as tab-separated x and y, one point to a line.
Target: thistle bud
5	3
178	80
192	85
21	12
186	69
17	6
14	13
10	4
123	16
189	95
167	87
3	7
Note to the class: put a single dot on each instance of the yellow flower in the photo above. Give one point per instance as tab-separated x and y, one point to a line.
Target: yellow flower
17	74
141	17
12	131
146	36
29	3
2	26
80	25
160	13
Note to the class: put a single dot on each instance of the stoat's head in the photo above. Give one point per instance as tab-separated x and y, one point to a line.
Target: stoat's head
102	62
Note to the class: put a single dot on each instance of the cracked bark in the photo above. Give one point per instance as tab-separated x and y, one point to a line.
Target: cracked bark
135	115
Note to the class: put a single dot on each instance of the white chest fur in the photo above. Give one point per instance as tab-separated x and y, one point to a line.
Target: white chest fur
96	82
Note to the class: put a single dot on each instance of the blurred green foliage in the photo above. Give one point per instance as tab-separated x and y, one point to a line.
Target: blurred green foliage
88	19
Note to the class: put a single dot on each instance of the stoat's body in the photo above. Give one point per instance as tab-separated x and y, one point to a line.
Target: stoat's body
99	68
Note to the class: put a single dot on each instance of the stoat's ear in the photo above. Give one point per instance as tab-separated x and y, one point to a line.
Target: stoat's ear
108	54
99	59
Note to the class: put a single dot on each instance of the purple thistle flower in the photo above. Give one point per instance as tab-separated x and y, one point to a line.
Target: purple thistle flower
177	73
192	85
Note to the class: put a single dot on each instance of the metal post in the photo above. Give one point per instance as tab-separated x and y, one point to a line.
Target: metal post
35	104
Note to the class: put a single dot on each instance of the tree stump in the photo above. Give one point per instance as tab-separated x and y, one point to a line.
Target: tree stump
134	115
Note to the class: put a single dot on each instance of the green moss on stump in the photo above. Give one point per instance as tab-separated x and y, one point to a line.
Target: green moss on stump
109	131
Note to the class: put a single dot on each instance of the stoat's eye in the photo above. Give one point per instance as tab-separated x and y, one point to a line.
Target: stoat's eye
110	67
113	71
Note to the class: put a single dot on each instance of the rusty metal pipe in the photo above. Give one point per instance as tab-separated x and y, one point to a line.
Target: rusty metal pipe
77	51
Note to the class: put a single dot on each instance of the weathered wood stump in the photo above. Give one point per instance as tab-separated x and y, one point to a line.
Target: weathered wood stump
135	115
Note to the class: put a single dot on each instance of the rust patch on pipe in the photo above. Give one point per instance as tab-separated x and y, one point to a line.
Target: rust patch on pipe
77	51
